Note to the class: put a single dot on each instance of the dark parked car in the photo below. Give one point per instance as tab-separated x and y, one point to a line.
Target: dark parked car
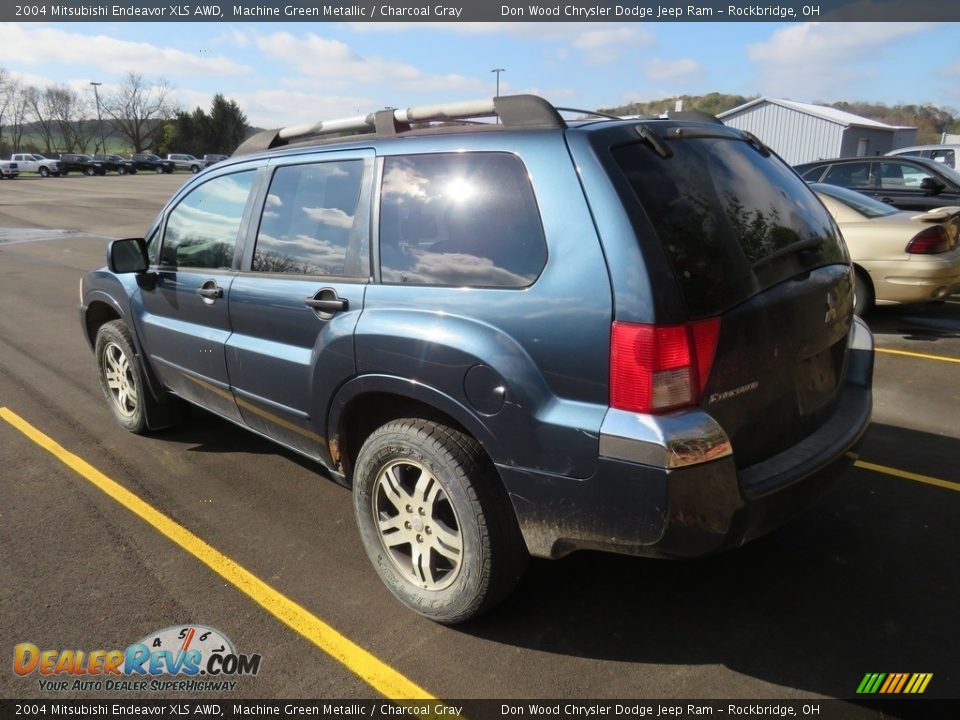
115	163
73	162
907	183
148	162
509	339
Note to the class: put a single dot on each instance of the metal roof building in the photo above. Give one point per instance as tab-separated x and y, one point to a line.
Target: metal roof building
800	132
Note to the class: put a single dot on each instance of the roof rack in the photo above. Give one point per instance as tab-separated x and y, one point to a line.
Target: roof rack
514	111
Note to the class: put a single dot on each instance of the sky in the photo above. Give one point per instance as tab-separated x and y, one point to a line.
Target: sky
289	73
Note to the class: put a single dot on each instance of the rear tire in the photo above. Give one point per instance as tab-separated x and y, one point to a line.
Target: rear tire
863	297
435	521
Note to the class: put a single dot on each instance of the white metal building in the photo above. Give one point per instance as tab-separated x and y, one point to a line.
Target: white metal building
800	132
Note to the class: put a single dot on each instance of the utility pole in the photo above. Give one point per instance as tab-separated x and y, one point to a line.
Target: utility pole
96	95
498	71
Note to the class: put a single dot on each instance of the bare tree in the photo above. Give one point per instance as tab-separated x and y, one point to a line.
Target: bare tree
39	104
18	112
71	114
5	100
138	108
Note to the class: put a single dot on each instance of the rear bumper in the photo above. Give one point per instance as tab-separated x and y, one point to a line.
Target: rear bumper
649	500
922	278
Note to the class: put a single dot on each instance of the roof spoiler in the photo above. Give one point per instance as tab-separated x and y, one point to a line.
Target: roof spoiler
518	111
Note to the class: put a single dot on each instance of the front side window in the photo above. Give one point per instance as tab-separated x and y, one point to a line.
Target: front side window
310	223
202	229
849	175
464	219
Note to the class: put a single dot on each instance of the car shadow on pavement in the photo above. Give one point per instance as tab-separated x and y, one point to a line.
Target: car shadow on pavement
865	581
927	322
205	432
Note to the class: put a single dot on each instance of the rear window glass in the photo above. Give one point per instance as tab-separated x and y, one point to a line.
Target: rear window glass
728	218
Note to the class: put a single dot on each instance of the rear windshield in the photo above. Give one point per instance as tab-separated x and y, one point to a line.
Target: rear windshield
733	220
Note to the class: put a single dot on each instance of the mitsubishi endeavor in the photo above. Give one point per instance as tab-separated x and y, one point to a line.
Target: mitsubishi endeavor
511	338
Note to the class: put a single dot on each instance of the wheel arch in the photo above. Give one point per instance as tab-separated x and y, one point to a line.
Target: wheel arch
99	312
367	402
103	308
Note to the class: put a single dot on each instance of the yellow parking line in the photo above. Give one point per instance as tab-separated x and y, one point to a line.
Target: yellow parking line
368	668
916	477
924	356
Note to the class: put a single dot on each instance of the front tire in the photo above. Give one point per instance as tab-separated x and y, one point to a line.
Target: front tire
435	521
121	380
159	169
44	172
194	169
89	172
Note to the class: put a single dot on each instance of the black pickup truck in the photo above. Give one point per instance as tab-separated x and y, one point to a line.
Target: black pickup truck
146	161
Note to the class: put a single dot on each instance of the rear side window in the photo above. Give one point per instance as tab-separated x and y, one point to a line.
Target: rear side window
898	176
729	218
465	219
309	224
202	229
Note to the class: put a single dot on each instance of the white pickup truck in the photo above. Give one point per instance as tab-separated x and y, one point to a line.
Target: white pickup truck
36	163
8	169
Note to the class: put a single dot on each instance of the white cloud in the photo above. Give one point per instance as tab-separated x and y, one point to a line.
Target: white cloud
327	63
32	45
824	60
679	71
601	42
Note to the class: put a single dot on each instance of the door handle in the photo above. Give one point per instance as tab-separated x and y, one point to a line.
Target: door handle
887	200
326	302
332	305
209	292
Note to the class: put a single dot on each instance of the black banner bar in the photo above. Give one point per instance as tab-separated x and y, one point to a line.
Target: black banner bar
454	11
860	709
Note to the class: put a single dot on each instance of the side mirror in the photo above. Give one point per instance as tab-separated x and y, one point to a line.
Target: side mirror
931	185
127	256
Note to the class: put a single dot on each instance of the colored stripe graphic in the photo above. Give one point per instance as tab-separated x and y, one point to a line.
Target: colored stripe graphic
894	683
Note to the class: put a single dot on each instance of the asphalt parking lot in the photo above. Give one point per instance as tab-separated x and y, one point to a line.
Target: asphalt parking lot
863	583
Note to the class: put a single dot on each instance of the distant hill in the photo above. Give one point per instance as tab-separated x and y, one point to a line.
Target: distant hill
931	121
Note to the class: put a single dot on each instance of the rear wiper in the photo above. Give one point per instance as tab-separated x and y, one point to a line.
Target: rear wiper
654	141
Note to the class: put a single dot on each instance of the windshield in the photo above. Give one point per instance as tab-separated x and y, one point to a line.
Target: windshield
950	173
866	206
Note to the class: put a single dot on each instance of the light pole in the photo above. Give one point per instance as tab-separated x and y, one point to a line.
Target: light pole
498	71
96	95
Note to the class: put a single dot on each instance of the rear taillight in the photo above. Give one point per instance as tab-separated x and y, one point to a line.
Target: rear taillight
930	241
655	368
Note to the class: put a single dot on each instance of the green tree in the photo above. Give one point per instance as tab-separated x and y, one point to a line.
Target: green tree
227	127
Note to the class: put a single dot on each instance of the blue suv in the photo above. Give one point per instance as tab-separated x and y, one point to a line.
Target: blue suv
517	338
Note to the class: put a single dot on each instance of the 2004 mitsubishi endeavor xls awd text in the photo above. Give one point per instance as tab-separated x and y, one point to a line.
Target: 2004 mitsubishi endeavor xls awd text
509	339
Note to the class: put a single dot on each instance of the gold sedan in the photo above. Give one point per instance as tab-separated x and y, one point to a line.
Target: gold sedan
899	257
